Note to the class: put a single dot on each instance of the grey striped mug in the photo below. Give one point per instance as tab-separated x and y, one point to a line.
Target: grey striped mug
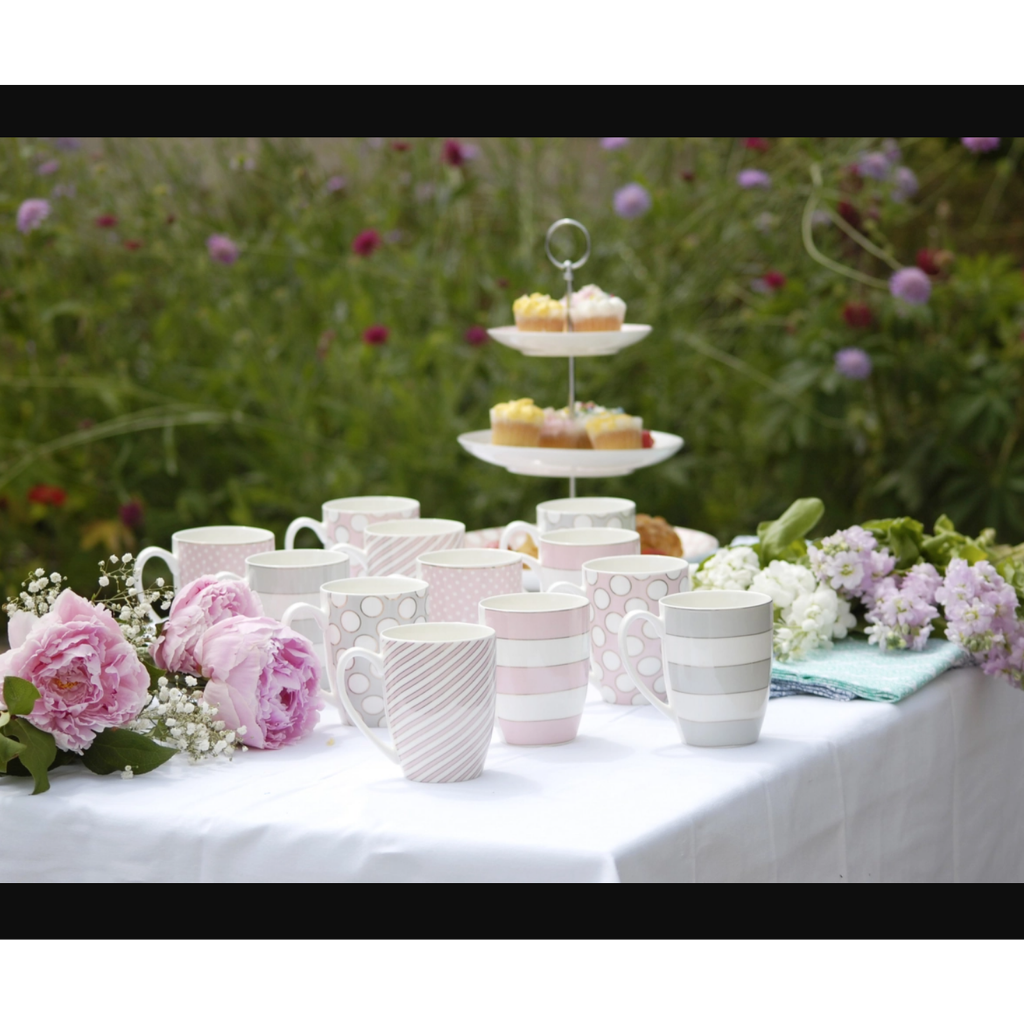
715	665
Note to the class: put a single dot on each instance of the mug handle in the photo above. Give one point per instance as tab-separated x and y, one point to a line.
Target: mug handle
297	524
342	692
659	625
317	613
518	526
153	552
564	587
357	554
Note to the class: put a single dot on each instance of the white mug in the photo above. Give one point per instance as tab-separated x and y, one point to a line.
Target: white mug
716	664
563	552
392	547
461	578
351	615
206	550
439	691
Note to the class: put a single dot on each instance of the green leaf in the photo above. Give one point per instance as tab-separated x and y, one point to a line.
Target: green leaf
114	748
155	675
9	749
903	536
20	695
783	537
38	754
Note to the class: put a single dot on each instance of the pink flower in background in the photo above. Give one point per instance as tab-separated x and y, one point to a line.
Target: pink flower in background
31	214
367	242
198	606
336	183
911	284
853	363
757	145
106	220
375	335
857	314
455	153
263	676
981	145
48	167
632	201
775	280
222	249
753	178
476	335
614	142
88	676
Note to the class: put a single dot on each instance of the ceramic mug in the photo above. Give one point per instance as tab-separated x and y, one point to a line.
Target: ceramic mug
344	520
439	691
716	663
351	615
207	549
543	656
461	578
574	513
563	552
615	587
392	547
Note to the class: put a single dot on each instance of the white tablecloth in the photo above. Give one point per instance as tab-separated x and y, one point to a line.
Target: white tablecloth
927	789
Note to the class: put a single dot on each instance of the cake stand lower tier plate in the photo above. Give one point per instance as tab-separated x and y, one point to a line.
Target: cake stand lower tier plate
570	462
570	343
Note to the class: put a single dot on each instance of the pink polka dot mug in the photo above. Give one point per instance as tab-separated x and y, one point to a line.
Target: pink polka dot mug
461	578
207	549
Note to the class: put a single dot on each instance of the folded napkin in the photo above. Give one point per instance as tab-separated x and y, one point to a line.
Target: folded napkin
855	668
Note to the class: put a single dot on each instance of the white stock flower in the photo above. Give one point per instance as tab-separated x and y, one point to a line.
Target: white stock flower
784	582
728	569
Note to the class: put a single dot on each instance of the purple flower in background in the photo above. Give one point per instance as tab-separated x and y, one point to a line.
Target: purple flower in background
892	152
67	143
335	183
911	284
222	249
900	616
981	145
31	214
48	167
853	363
753	178
846	562
64	191
874	165
632	201
614	143
904	184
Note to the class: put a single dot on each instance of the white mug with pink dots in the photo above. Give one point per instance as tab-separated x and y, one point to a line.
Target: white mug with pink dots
463	577
615	587
344	520
351	614
207	550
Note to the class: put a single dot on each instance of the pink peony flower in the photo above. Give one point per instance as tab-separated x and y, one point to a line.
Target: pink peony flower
222	249
263	676
88	676
198	606
31	214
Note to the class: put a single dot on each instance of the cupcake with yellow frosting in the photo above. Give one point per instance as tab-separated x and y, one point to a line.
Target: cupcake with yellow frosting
538	312
517	423
615	430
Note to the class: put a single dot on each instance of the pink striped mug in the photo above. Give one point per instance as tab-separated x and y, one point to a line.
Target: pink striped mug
391	548
460	579
563	552
439	692
543	655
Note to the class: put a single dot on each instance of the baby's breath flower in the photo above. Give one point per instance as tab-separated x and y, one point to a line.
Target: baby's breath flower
104	581
113	558
55	577
127	558
159	581
127	773
40	572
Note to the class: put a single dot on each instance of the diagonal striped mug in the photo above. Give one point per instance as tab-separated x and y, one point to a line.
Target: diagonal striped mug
392	547
439	696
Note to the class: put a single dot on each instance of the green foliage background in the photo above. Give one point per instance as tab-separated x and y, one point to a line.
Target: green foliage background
244	394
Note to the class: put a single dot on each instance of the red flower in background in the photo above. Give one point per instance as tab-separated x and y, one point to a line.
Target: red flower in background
131	244
366	242
47	494
106	220
456	153
687	175
400	146
775	280
375	335
501	282
858	314
130	513
476	335
934	261
758	145
849	213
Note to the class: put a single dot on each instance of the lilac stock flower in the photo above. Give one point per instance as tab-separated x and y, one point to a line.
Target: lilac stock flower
48	167
849	562
911	284
922	580
753	178
263	676
904	184
31	214
614	143
874	165
981	145
853	363
632	201
222	249
900	616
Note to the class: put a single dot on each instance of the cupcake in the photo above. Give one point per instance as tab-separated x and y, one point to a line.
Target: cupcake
615	430
538	312
595	310
517	423
564	428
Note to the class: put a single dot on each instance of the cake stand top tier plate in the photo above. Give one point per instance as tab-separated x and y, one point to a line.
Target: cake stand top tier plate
576	343
570	462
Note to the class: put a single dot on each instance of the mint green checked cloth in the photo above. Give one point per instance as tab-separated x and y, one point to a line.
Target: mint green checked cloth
855	668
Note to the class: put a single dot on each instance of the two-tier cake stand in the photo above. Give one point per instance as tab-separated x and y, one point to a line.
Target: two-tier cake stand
570	463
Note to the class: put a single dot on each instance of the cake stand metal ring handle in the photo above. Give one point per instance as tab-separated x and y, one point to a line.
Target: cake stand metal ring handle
566	222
